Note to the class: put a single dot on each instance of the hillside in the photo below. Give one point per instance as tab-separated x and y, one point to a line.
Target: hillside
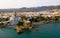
24	9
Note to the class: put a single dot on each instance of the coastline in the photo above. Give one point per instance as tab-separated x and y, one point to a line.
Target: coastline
34	23
44	22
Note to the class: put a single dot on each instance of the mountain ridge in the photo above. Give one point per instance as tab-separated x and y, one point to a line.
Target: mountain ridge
24	9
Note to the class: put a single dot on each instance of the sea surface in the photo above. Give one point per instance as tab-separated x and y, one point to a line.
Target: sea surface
48	30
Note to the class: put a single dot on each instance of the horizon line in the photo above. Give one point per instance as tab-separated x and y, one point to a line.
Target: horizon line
28	7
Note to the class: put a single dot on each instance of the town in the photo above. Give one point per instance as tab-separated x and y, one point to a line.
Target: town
27	19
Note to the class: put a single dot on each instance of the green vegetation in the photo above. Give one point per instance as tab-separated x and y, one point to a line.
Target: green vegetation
20	23
45	19
4	19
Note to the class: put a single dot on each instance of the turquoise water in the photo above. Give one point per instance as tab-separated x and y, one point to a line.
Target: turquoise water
50	30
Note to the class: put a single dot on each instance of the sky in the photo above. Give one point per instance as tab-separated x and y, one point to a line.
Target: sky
27	3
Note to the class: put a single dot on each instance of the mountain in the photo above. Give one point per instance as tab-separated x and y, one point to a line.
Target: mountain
24	9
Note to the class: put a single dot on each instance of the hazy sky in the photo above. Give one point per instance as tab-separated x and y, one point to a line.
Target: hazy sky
27	3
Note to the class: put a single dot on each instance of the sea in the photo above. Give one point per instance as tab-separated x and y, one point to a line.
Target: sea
48	30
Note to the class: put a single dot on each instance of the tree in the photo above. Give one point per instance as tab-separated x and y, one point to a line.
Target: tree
57	18
20	23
